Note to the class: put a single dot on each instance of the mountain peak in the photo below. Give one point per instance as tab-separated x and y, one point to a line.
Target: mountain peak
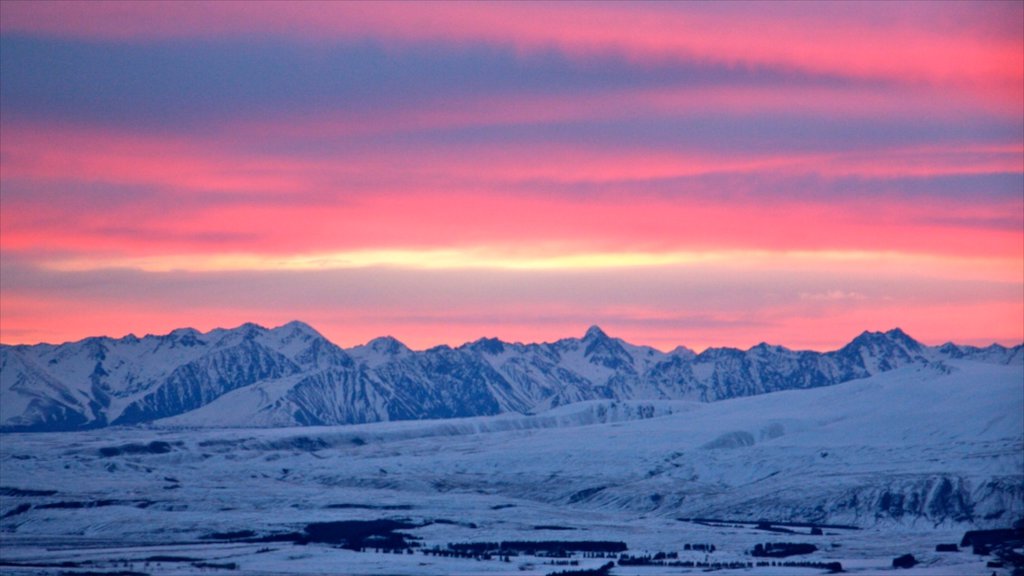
894	335
387	345
765	347
682	351
492	346
898	334
185	337
250	328
297	326
867	335
594	333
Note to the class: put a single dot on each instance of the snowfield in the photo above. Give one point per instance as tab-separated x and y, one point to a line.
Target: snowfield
911	458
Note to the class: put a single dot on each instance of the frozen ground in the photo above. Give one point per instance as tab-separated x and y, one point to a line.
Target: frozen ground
912	457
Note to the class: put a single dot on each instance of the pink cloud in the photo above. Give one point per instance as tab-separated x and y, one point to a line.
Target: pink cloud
526	224
458	196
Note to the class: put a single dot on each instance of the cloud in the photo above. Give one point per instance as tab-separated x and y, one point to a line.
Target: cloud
174	81
831	296
697	305
970	44
676	171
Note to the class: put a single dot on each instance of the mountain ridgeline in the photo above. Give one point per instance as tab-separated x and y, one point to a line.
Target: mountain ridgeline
291	375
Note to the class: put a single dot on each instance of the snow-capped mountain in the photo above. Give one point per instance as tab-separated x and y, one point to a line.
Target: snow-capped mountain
292	375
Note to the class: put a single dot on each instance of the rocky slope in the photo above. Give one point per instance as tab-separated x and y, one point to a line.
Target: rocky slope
291	375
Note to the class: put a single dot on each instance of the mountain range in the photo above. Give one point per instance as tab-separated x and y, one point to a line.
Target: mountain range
291	375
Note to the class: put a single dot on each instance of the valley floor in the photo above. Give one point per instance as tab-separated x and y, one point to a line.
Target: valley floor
901	457
862	552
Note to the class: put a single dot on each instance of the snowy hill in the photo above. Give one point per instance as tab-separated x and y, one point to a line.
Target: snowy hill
912	457
291	375
932	444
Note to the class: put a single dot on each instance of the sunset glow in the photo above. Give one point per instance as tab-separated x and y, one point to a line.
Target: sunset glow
698	174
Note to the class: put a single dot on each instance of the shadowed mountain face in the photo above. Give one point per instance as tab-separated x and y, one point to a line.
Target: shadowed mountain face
291	375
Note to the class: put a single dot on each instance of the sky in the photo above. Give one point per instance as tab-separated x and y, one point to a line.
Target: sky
698	174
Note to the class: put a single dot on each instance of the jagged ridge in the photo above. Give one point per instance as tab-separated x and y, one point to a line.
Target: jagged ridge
292	375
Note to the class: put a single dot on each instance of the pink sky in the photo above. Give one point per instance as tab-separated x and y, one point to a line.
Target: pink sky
695	174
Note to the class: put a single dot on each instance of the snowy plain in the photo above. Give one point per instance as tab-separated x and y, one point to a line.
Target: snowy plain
912	458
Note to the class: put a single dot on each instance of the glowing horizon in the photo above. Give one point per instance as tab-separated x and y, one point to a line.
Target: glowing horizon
680	174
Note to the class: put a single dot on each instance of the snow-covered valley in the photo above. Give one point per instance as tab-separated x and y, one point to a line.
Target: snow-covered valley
912	457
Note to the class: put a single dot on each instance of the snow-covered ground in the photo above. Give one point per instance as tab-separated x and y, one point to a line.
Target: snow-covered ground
913	457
